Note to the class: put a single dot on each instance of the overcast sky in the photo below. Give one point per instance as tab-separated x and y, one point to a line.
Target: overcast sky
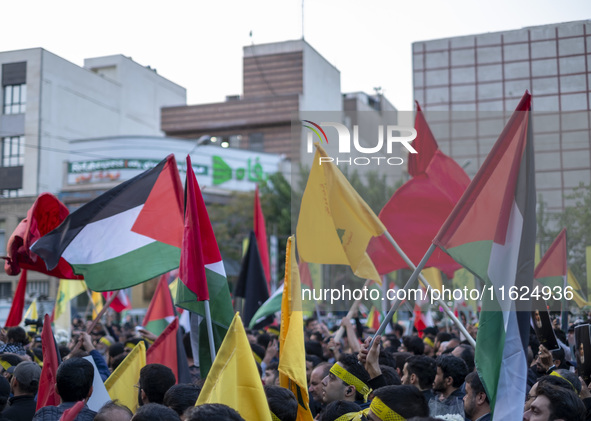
198	44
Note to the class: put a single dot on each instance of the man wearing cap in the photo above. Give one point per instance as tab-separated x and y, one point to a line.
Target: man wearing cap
24	385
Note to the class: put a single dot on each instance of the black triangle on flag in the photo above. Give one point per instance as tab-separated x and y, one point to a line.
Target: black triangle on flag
252	283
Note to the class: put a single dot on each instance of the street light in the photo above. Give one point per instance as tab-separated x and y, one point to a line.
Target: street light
203	140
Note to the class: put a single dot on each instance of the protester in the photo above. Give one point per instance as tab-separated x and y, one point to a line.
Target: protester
112	411
155	412
448	399
420	371
337	409
555	403
155	380
73	383
181	396
347	380
476	403
403	401
24	385
282	403
212	411
16	338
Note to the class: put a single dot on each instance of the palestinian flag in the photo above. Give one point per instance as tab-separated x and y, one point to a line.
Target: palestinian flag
161	311
126	236
269	307
492	232
188	289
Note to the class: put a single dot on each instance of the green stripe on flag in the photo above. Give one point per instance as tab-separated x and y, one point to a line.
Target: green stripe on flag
473	255
131	268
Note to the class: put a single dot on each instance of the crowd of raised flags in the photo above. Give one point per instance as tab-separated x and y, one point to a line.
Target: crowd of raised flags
148	227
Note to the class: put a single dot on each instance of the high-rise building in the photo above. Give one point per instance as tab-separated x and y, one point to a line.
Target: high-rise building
469	85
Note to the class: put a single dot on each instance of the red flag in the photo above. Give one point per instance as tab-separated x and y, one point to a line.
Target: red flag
72	413
47	396
419	322
305	275
120	303
161	310
168	350
260	233
192	266
417	210
425	145
18	302
46	214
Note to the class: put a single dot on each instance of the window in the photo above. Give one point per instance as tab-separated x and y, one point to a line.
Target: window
2	236
13	151
255	141
15	99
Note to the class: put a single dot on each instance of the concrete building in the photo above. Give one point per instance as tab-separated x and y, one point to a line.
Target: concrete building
47	102
469	85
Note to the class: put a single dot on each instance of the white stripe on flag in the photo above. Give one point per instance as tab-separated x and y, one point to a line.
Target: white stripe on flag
106	239
217	267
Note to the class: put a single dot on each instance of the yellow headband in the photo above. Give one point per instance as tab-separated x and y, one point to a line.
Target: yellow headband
350	379
5	364
428	341
257	358
383	411
349	416
105	341
274	417
554	373
130	345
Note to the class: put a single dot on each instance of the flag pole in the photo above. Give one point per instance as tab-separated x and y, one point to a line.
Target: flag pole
341	330
209	330
425	283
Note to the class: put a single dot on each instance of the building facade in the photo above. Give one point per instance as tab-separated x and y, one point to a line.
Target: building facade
468	86
47	102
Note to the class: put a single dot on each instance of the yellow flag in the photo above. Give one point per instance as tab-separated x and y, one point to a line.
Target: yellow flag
433	276
31	312
97	300
335	224
577	297
120	384
292	353
234	380
67	290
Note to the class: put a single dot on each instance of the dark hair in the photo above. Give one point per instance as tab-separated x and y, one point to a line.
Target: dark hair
155	412
467	354
555	381
115	361
443	336
155	380
259	350
313	359
11	359
263	340
74	379
282	402
401	358
564	403
475	384
18	335
136	341
313	348
116	349
387	358
339	408
212	411
352	365
414	344
453	367
406	400
104	414
424	368
181	396
398	328
390	375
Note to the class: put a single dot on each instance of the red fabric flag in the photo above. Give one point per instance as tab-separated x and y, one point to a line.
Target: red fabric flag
425	145
305	275
18	302
72	413
416	212
260	233
46	214
47	396
192	266
419	322
166	349
120	303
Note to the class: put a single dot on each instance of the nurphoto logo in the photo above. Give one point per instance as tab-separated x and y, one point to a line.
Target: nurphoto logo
388	135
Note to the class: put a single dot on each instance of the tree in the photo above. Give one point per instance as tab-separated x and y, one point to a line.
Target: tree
576	218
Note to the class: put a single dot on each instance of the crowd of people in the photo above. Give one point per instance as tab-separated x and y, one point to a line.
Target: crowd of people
420	376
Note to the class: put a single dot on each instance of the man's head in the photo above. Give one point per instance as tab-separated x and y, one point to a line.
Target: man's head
155	380
181	396
282	403
405	400
476	402
212	411
420	371
25	378
451	372
318	373
466	353
555	403
337	409
112	411
74	380
413	344
271	375
346	381
17	335
155	412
